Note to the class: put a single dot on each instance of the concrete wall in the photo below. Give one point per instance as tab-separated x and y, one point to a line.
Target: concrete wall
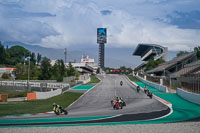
45	95
154	85
192	97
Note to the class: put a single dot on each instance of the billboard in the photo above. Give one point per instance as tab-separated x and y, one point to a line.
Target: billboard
101	35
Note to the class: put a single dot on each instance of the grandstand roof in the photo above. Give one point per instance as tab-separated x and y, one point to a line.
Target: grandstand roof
168	64
142	48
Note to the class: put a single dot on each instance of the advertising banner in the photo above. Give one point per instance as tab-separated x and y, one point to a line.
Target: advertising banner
101	35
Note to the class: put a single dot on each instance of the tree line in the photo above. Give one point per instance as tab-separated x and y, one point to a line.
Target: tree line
40	67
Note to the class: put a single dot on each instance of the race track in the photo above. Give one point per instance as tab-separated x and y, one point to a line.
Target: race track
96	103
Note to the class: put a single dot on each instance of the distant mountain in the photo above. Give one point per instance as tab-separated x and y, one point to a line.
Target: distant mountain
49	52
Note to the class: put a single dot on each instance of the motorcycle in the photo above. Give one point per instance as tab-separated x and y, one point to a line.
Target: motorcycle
138	89
59	110
149	94
116	105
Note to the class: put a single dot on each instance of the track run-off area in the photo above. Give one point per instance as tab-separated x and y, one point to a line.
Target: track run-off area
94	107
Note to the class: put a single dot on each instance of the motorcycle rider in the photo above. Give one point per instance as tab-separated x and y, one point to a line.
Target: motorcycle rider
57	106
138	88
145	89
118	99
121	83
149	93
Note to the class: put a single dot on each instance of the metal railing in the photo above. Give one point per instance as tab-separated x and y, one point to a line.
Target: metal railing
191	83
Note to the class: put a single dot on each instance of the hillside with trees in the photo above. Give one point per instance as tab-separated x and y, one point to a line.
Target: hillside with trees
40	67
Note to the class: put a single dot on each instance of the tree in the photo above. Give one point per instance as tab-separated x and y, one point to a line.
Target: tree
153	64
197	50
6	76
45	69
39	57
180	53
17	54
70	70
21	72
32	58
56	74
2	52
34	73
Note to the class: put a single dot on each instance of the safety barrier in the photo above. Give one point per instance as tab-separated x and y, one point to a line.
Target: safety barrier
3	97
45	95
154	85
31	96
192	97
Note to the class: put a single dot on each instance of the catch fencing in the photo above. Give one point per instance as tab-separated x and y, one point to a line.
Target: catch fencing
191	83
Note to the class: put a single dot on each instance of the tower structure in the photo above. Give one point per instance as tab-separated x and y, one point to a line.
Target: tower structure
65	53
101	40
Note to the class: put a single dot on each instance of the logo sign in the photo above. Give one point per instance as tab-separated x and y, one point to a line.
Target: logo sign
101	35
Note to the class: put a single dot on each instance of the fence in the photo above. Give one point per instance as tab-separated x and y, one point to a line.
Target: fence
191	83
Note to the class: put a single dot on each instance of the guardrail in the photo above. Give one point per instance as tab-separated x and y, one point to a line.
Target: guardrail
154	85
34	84
192	97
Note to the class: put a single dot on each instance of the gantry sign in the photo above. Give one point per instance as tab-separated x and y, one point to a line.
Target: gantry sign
101	39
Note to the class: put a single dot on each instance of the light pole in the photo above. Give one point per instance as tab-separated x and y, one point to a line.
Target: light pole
28	74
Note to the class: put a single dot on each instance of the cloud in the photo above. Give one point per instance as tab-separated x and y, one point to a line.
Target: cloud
106	12
185	20
64	23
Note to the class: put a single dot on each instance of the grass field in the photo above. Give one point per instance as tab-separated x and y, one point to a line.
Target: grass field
12	92
94	80
38	106
132	78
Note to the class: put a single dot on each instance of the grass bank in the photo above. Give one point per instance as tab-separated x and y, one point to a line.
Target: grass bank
12	92
132	78
94	80
38	106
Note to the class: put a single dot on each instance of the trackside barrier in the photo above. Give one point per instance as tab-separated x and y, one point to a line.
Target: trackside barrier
3	97
45	95
192	97
31	96
154	85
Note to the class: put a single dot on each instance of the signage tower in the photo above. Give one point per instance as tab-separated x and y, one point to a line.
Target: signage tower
101	40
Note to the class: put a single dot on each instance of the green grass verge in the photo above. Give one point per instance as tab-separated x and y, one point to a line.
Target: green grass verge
12	93
94	80
132	78
38	106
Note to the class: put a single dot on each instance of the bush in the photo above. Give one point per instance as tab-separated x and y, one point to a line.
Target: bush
5	76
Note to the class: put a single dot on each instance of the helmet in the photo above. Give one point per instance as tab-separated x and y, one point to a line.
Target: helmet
54	104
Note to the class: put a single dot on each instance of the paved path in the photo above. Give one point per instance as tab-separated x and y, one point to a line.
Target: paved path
189	127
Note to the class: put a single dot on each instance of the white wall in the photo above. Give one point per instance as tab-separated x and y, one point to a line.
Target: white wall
154	85
192	97
45	95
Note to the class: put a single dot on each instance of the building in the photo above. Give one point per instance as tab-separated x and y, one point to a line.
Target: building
174	65
150	51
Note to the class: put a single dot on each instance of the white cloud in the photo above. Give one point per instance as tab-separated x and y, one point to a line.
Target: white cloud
75	23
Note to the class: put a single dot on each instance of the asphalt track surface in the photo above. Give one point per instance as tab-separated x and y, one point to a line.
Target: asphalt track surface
96	102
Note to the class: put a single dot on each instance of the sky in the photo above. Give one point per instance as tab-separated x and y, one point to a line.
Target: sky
72	23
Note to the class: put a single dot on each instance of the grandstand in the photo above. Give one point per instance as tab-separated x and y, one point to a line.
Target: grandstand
174	65
188	68
150	51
